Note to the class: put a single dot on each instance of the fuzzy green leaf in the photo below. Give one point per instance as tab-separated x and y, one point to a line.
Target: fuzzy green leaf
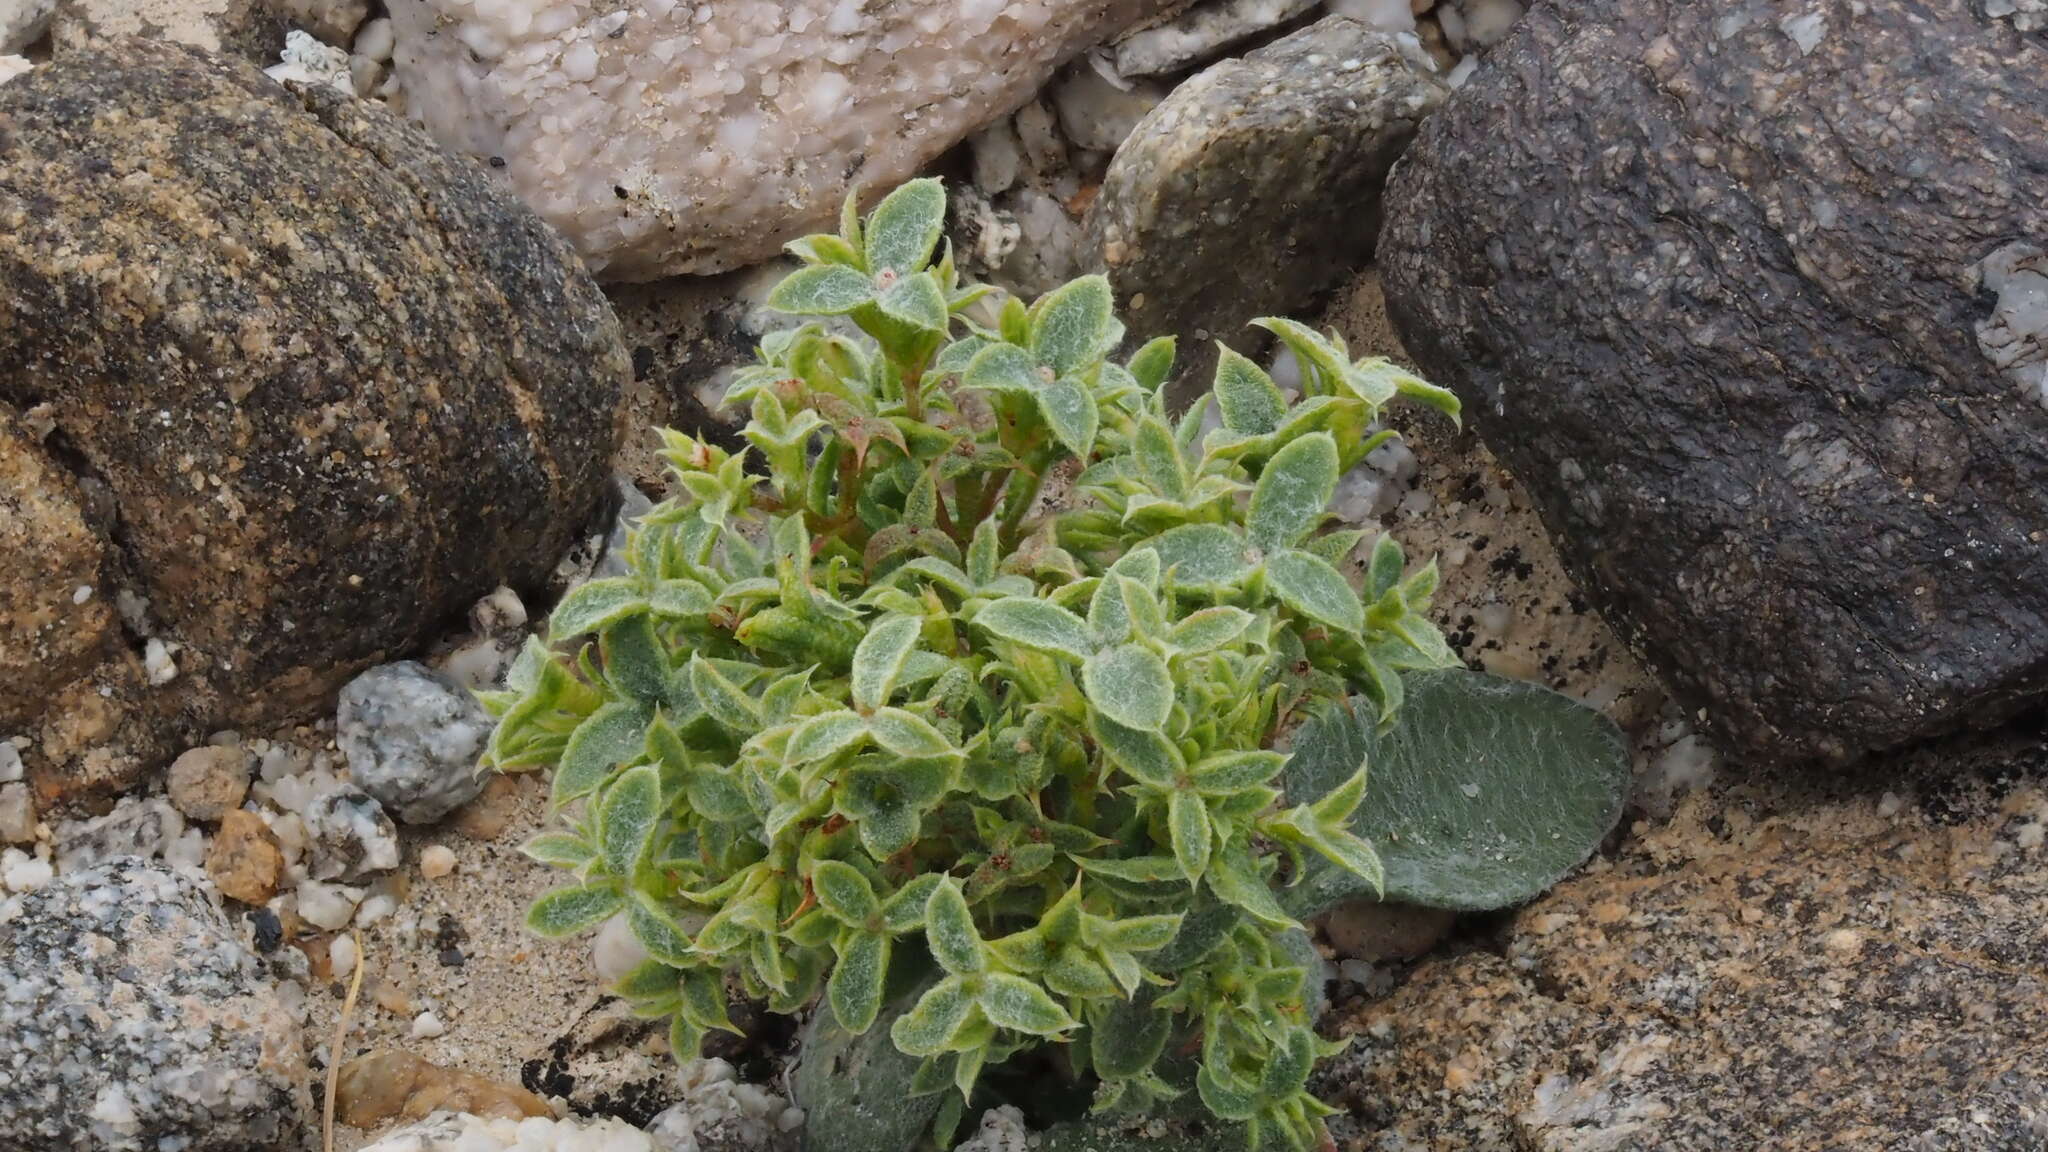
1316	590
567	911
1236	771
1130	685
1153	363
1002	368
1188	823
1202	556
823	735
1069	410
1209	628
844	1073
916	301
855	988
613	735
821	290
561	849
879	659
1071	324
908	734
1484	791
626	819
593	604
950	932
1293	492
1146	756
1249	401
845	893
1038	625
929	1026
1014	1002
904	228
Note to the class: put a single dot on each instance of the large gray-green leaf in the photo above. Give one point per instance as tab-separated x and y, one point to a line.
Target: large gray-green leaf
855	1089
1485	791
1179	1125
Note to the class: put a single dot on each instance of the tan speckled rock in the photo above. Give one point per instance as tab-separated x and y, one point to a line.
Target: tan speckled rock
1800	968
276	365
390	1084
243	29
666	137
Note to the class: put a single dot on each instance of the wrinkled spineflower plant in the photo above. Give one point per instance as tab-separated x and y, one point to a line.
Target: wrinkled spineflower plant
879	703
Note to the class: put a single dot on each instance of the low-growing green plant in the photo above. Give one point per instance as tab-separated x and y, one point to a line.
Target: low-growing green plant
974	674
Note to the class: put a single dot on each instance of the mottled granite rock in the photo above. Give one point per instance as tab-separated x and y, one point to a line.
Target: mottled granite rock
412	737
1201	33
459	1132
132	1019
280	374
23	22
352	837
1801	966
1255	186
664	138
334	21
1723	298
242	29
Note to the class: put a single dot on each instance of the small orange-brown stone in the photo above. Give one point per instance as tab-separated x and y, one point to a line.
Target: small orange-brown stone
244	860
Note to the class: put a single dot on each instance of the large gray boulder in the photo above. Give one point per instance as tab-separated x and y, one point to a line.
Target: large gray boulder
1255	186
133	1018
1753	299
283	389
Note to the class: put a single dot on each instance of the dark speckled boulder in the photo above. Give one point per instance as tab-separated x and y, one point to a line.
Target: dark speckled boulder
1753	297
283	388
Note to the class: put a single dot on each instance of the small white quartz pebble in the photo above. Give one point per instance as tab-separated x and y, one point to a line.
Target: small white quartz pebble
157	662
426	1026
328	906
341	957
21	872
436	861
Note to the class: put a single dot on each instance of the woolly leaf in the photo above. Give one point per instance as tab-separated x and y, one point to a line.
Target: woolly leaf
1014	1002
821	290
613	735
1202	556
1002	368
916	301
1038	625
1248	399
1316	590
908	734
1153	363
593	604
949	930
1188	823
626	819
1071	324
929	1026
1069	410
855	988
844	1074
1484	792
567	911
904	228
1209	628
1130	685
1293	492
879	659
824	734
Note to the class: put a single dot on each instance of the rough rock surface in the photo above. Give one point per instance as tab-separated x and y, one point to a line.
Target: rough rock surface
23	22
1723	298
457	1132
334	21
664	138
283	387
133	1018
1802	966
1256	185
242	29
1201	33
412	737
390	1083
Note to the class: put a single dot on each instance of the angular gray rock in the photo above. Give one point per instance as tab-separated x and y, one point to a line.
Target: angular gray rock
352	837
298	404
133	1019
1743	297
412	737
1255	185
